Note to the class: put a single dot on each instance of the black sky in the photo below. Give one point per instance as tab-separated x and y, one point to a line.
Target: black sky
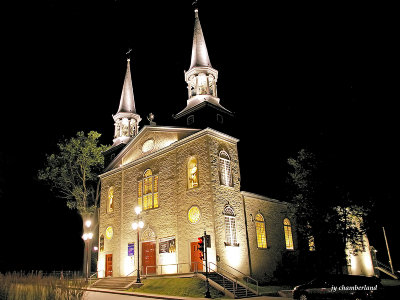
296	75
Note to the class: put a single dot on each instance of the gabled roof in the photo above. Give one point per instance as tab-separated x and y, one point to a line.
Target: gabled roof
183	135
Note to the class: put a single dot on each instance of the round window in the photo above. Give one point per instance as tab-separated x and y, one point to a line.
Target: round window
148	146
109	232
194	214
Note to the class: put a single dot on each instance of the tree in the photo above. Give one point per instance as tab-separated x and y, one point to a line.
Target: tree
72	174
326	215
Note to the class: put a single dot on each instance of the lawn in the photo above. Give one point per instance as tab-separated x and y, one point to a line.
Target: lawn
185	287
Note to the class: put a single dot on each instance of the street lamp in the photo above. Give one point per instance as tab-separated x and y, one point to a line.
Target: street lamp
87	238
136	226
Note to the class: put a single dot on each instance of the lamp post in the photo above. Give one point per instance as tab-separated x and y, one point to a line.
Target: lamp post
136	226
87	238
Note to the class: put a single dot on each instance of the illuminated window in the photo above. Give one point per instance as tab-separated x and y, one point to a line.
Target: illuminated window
193	173
194	214
101	243
148	191
311	243
260	230
225	168
109	232
230	227
110	203
288	234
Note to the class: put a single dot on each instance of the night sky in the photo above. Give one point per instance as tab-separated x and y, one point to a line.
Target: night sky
320	76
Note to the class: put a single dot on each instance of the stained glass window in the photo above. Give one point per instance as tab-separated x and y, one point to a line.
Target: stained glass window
288	234
230	226
110	206
225	168
193	173
148	190
260	230
194	214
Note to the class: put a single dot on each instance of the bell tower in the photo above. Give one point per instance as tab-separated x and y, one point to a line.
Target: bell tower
203	107
126	120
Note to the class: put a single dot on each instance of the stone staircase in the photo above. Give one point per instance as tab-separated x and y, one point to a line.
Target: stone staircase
115	283
239	290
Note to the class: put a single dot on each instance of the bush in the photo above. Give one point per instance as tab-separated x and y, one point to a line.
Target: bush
21	286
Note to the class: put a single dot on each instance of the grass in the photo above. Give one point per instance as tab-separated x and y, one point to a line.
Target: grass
35	286
184	287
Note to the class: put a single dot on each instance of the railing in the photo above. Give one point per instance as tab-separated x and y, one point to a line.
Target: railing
233	279
160	267
131	273
244	276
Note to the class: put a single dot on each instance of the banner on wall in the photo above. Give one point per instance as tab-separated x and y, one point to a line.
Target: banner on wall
167	245
131	249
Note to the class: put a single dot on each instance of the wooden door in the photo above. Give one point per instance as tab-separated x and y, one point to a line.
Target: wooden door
149	258
108	265
196	262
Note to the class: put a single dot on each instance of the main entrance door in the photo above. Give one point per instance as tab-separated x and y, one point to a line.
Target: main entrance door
108	265
149	257
196	262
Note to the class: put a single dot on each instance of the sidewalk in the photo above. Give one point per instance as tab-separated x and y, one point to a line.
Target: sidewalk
156	296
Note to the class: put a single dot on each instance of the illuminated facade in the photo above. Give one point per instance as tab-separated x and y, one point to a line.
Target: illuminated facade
186	180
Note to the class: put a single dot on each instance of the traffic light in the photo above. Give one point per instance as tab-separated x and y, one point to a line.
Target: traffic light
200	246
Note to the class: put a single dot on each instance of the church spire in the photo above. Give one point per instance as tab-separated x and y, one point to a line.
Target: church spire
201	79
126	120
200	56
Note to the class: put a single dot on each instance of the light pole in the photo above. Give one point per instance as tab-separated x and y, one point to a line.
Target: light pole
87	238
136	226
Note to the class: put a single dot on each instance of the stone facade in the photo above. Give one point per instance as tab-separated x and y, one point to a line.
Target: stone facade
167	151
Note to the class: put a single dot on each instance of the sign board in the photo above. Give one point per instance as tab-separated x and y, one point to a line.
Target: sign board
167	245
131	249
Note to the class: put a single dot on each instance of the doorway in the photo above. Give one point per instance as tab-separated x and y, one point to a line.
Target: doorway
149	258
108	265
196	263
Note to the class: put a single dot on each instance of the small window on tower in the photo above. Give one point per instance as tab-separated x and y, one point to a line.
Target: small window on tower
193	173
110	206
190	120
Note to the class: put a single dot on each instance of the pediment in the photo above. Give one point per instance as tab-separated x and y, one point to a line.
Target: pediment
149	140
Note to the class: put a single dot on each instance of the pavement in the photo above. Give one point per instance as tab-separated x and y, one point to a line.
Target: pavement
100	294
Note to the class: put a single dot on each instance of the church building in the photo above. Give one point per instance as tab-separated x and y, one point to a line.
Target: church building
185	179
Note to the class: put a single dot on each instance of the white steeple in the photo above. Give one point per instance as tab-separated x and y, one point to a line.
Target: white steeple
126	119
201	77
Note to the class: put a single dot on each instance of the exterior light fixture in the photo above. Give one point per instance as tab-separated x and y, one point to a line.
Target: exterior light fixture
88	223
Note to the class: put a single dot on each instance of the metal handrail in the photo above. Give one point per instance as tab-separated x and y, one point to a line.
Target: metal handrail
244	275
131	273
161	266
229	279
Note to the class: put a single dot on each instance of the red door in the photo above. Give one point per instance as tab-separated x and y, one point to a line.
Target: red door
196	262
149	258
108	265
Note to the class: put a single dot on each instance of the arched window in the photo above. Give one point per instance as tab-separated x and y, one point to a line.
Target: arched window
148	190
225	168
230	226
288	234
260	230
193	173
110	200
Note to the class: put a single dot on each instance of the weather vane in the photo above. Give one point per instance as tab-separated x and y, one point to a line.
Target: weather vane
128	53
195	4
